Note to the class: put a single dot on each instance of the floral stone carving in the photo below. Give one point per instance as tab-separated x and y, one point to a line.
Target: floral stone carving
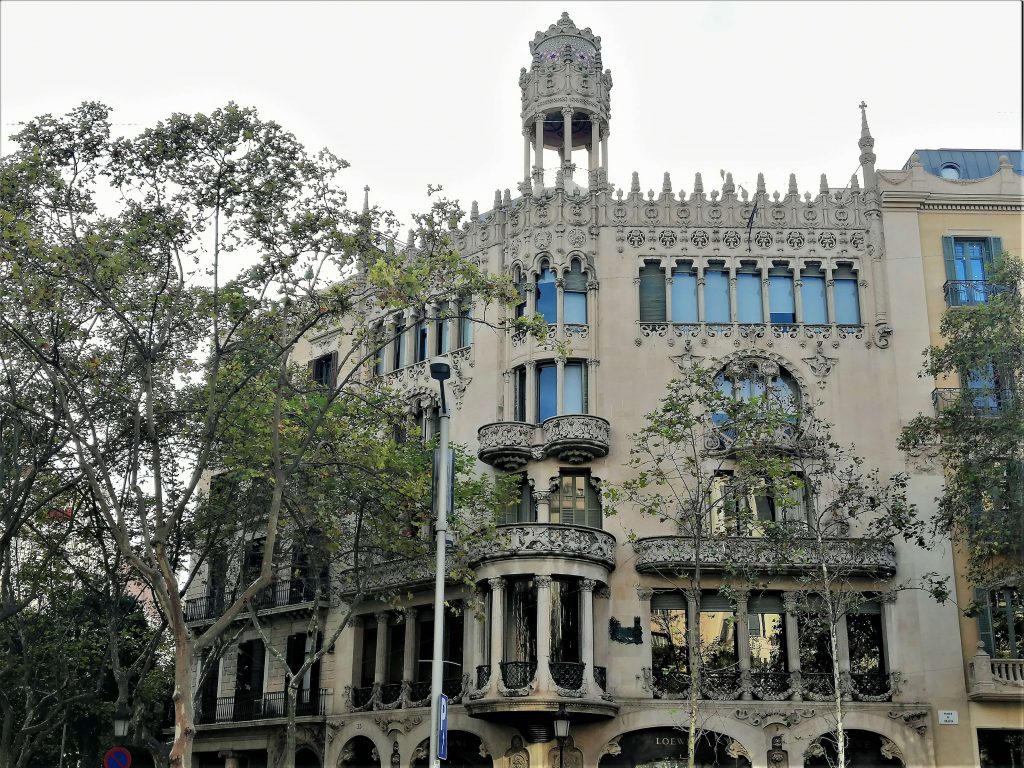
576	439
543	539
505	444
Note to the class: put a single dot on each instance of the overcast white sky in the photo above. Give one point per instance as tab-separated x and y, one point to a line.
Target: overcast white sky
427	92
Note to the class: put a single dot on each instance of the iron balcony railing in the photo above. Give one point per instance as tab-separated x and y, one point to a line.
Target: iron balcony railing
277	595
972	401
567	674
517	674
966	293
601	677
483	675
310	702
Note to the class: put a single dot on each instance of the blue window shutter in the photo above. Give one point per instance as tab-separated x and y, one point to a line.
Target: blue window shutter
949	258
652	294
982	599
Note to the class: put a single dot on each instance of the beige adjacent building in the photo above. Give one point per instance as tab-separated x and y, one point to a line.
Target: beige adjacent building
946	215
821	295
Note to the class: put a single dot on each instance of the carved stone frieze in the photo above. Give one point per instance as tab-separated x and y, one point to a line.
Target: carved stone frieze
541	540
788	716
506	444
577	438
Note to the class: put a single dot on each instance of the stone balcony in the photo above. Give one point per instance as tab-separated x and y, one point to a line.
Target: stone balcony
995	679
673	554
519	693
550	540
573	438
733	685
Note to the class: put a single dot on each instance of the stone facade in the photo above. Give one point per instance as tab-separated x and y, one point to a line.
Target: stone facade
608	358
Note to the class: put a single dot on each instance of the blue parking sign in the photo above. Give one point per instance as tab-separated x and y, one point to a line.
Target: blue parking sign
442	728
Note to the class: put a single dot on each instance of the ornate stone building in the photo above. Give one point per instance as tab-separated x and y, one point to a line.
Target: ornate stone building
578	606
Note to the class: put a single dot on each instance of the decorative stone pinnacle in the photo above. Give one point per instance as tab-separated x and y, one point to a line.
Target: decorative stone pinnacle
497	199
698	184
666	184
728	188
854	182
824	185
474	211
792	185
865	132
366	199
635	184
760	184
506	201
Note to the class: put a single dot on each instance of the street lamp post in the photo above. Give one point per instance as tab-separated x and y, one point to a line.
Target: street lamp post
122	719
561	730
440	372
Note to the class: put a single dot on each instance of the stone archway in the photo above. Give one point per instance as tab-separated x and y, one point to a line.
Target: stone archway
667	748
864	749
359	752
306	758
463	752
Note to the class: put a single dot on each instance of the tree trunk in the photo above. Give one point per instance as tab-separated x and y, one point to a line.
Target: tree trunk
184	711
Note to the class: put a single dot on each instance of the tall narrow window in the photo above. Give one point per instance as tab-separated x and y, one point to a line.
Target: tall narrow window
767	637
519	394
574	397
378	353
652	293
465	326
520	284
522	509
324	369
399	346
547	391
574	295
781	301
847	302
566	628
420	336
812	295
983	387
575	501
717	307
968	266
521	622
443	329
249	679
684	295
748	297
670	653
547	296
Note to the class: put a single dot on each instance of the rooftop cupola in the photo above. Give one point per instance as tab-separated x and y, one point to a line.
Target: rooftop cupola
565	104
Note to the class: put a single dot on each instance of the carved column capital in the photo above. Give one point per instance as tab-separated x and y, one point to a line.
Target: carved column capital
382	618
496	584
790	600
587	585
567	112
644	593
542	582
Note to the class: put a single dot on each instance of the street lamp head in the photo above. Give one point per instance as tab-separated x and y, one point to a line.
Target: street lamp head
561	724
122	719
440	370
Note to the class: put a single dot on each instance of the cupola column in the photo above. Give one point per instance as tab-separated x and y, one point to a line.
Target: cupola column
526	156
567	143
595	140
538	152
604	151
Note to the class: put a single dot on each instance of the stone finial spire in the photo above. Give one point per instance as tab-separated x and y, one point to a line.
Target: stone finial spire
823	187
698	184
634	185
761	189
666	184
855	183
866	144
366	199
410	240
728	188
474	211
506	201
497	199
792	185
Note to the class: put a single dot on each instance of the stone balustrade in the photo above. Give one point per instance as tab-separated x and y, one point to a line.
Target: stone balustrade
573	438
550	540
995	679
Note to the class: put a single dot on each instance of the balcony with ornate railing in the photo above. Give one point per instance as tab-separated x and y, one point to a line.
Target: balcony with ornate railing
966	293
407	694
285	596
572	438
733	685
663	555
972	401
248	707
550	540
994	679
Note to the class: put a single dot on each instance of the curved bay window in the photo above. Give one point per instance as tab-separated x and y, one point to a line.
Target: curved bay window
575	500
574	384
765	380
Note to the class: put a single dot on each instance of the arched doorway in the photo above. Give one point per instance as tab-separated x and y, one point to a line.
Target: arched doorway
667	747
306	758
463	752
864	749
359	752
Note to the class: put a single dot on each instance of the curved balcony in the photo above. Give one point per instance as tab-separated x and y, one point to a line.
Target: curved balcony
522	696
723	439
507	445
551	540
672	554
577	439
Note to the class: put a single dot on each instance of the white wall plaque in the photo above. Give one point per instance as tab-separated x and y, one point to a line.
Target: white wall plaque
949	717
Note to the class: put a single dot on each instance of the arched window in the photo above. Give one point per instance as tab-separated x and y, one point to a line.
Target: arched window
763	379
574	297
547	295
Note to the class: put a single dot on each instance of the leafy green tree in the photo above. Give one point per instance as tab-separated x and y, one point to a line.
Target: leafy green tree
978	428
163	286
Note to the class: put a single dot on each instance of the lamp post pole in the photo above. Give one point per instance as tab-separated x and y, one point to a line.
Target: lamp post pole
439	371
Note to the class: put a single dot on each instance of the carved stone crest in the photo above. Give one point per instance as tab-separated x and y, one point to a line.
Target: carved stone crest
821	365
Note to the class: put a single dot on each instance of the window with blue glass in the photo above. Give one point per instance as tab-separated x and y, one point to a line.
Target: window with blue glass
814	306
574	396
760	379
547	391
845	293
717	307
749	308
398	359
684	294
652	293
968	268
520	284
574	295
983	389
465	320
420	340
781	299
547	295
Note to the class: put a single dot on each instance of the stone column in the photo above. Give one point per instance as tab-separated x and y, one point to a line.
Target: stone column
544	682
890	648
430	318
798	301
230	758
790	600
389	348
733	309
604	150
743	643
843	650
543	499
668	292
409	650
497	586
538	152
700	293
587	641
381	657
526	156
567	143
830	301
560	385
560	307
766	310
468	645
595	140
592	386
531	392
636	307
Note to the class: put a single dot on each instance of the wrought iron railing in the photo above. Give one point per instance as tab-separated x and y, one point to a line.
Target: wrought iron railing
720	684
483	675
871	686
310	702
601	677
419	690
390	693
452	687
362	696
517	674
966	293
818	685
277	595
972	401
670	683
770	686
567	674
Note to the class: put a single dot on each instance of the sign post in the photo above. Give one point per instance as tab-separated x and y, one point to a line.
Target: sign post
117	757
442	728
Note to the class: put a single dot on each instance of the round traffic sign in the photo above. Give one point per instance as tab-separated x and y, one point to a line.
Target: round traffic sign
117	757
